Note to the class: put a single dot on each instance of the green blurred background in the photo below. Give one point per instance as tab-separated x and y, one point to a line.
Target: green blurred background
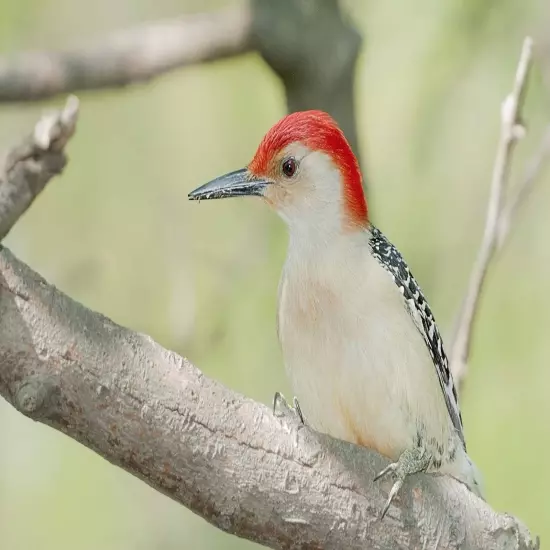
117	233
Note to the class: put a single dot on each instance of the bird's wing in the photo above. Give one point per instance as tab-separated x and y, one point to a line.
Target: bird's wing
392	261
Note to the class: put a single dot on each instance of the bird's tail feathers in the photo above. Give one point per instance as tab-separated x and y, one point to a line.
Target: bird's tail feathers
468	473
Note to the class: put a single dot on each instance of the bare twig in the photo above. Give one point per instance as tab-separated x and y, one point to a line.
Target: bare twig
534	169
511	131
128	56
27	168
222	455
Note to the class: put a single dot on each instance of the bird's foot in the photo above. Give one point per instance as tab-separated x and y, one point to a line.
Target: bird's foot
279	400
410	462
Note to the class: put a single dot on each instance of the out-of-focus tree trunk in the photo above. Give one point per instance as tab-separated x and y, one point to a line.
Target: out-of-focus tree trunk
312	46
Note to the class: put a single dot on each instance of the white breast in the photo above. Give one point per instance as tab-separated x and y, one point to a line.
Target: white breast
355	359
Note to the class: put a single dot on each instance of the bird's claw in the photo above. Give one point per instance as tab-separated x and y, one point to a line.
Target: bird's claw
390	468
395	469
298	409
410	462
279	399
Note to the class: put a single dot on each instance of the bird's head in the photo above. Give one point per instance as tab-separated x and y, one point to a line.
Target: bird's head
305	169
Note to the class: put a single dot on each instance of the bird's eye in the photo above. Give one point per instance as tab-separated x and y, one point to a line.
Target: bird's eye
289	167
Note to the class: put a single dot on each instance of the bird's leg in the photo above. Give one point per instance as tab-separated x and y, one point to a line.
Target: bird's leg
410	462
279	399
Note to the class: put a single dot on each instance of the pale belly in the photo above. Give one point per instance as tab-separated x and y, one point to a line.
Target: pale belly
359	366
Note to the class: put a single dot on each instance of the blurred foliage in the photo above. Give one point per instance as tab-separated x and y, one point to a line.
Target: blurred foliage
117	233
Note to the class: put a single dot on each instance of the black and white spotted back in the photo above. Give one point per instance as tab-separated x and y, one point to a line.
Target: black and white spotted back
392	261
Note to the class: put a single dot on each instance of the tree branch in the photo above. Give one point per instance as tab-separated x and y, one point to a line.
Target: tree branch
314	49
534	169
127	56
295	37
225	457
28	167
496	225
222	455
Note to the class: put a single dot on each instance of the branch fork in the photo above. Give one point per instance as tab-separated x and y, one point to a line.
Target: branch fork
499	216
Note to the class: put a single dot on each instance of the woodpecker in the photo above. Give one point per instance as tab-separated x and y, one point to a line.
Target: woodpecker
360	344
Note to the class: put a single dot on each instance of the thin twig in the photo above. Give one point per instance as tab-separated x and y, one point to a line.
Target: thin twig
127	56
511	131
534	169
28	167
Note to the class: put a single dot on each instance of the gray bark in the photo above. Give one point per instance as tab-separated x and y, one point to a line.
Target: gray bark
152	413
127	56
26	169
223	456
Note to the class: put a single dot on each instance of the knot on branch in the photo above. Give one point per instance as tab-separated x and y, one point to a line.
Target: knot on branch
33	396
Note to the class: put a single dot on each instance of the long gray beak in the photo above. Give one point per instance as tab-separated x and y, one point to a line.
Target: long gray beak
235	184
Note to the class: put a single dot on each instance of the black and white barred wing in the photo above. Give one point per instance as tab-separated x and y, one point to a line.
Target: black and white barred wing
390	258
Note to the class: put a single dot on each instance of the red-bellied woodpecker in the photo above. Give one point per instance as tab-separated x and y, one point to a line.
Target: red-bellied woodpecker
360	343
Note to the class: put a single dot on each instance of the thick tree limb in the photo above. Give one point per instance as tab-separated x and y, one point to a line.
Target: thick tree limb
497	220
223	456
128	56
26	168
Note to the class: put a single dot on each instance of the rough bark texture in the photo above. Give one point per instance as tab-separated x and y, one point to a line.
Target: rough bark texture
150	411
222	455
